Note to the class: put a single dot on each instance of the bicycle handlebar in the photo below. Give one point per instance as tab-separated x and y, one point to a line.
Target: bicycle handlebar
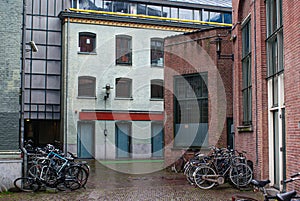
295	175
291	179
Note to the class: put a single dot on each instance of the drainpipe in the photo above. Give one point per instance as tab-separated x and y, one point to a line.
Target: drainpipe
23	90
255	75
66	92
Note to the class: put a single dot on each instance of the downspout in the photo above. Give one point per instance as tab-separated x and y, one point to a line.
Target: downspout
23	89
255	75
66	91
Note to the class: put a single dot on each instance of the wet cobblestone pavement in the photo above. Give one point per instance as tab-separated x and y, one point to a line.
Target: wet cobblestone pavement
107	184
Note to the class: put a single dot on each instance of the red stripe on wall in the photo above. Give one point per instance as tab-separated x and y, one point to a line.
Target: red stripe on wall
126	116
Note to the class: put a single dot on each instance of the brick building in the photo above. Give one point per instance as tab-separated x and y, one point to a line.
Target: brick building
198	91
266	85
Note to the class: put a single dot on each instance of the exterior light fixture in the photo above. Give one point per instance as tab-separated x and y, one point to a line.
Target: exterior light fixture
107	91
33	47
218	42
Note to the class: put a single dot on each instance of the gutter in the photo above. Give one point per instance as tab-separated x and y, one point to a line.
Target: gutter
23	89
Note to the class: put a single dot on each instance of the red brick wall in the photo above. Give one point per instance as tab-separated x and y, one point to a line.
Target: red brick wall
259	136
291	31
193	53
255	142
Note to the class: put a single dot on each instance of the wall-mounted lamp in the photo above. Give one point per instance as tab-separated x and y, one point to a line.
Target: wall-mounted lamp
33	47
218	42
107	91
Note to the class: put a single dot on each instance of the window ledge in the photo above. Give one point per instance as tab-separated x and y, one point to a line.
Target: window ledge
88	53
245	128
86	97
156	99
123	98
156	66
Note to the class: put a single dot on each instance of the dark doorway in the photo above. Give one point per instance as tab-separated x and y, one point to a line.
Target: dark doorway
43	132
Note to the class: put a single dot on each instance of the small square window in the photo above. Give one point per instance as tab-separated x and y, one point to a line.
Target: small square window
87	42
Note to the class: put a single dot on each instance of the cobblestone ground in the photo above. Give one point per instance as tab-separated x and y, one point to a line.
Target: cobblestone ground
107	184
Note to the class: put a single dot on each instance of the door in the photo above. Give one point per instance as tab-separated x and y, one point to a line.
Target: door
85	140
123	140
157	139
276	148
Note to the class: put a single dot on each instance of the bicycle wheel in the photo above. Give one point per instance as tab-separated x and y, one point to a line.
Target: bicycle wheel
26	184
75	177
240	174
35	171
203	177
50	176
189	174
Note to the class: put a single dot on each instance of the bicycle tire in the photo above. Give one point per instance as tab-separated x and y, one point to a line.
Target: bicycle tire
200	177
34	171
50	177
189	174
75	177
26	184
240	175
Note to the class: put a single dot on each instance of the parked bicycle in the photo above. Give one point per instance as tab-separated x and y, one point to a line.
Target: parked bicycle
223	165
49	168
269	193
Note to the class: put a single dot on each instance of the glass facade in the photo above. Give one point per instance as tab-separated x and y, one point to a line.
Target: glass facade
151	9
43	68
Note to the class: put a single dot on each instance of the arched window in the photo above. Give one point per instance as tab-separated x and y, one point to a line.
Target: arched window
86	86
157	52
123	88
87	42
123	50
157	89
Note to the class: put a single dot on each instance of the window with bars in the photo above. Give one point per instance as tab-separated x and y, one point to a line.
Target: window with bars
157	89
87	42
246	73
157	52
123	50
86	86
191	110
191	95
123	88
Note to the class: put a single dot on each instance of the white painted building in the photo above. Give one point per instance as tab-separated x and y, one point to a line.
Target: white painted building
112	90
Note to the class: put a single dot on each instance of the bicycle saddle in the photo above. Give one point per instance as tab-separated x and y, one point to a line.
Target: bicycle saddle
286	196
260	183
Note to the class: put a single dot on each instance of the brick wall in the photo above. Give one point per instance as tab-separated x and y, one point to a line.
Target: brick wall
10	54
193	53
257	141
291	10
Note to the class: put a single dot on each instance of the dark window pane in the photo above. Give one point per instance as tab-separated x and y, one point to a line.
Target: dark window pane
123	50
157	52
87	86
157	89
123	88
87	42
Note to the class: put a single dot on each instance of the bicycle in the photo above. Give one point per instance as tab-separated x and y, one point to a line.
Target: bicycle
261	186
223	165
54	171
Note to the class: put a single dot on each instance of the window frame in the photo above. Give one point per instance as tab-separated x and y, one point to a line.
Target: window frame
123	50
157	52
246	73
82	91
92	40
156	87
127	83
